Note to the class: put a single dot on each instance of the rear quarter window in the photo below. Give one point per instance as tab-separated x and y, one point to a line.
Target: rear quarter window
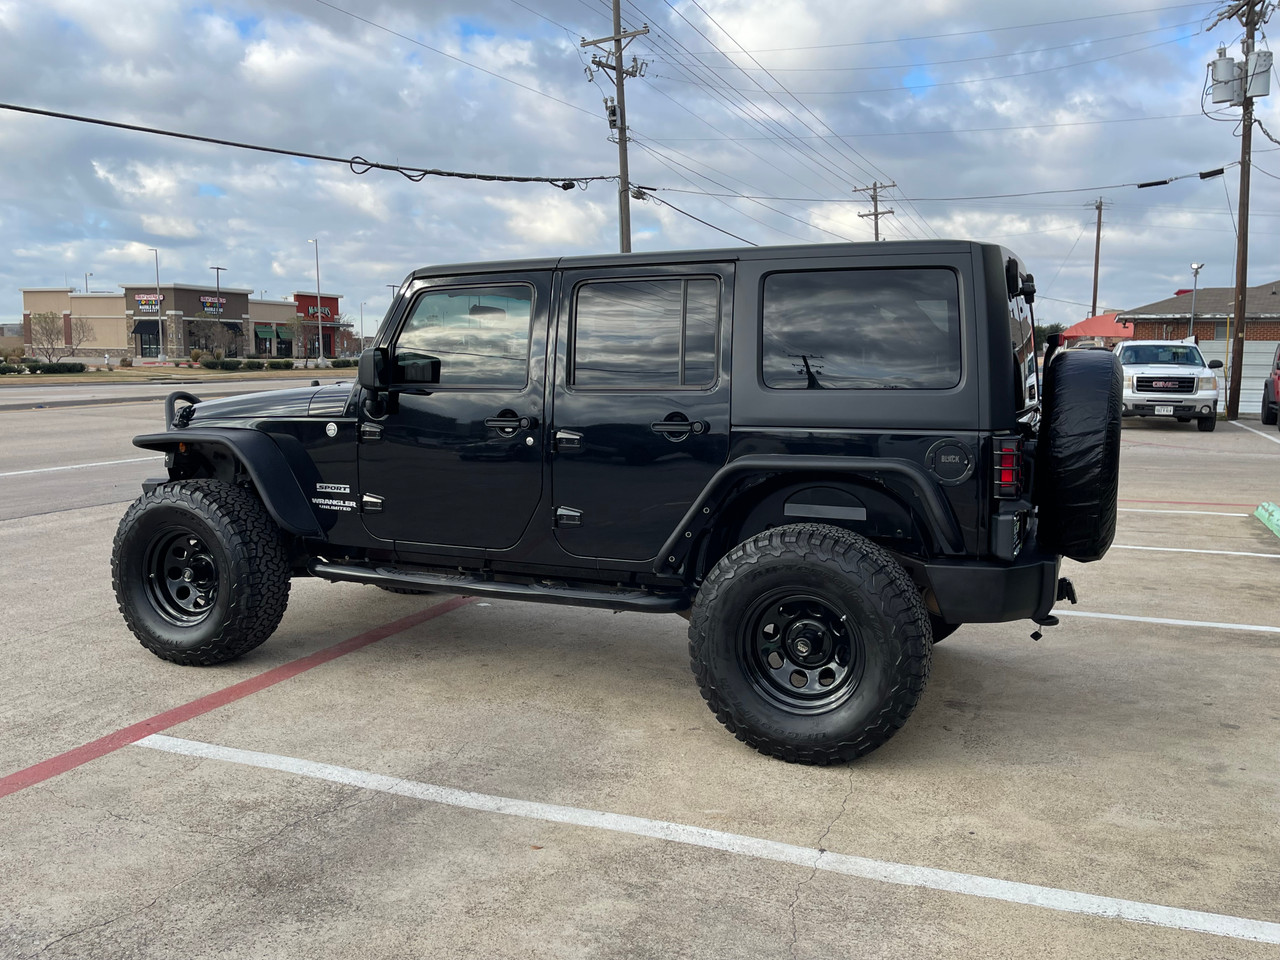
861	329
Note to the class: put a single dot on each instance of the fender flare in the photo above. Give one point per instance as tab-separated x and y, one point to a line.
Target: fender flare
262	459
936	512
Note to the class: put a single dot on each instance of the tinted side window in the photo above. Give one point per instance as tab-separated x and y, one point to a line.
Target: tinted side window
630	334
467	337
861	329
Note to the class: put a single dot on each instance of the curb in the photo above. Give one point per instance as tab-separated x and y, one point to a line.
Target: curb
1269	514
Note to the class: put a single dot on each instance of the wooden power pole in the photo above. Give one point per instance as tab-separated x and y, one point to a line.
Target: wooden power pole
617	111
876	213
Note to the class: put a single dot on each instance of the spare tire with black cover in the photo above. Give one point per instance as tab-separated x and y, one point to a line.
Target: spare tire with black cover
1078	458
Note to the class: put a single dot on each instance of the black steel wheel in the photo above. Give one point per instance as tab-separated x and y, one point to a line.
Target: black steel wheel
200	571
810	643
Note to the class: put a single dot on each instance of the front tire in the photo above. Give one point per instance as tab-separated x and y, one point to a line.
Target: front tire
200	571
1268	409
810	644
1207	424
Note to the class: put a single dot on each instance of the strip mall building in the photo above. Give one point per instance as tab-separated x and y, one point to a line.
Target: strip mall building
230	319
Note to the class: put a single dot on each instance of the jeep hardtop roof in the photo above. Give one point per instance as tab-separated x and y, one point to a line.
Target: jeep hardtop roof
797	251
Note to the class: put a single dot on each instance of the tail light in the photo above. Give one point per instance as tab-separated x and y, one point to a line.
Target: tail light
1008	464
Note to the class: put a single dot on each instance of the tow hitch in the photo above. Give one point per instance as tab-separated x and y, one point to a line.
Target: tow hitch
1066	591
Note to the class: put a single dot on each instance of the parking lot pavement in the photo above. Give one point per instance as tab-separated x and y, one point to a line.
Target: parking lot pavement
1116	768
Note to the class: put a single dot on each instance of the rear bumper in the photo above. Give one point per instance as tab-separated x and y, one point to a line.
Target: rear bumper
974	592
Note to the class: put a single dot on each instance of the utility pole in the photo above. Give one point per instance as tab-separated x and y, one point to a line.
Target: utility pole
876	213
1097	257
1237	83
617	111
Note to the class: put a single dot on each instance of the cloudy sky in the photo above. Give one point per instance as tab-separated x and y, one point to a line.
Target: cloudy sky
759	117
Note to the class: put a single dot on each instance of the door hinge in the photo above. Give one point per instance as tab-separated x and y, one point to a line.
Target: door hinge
568	517
370	431
370	504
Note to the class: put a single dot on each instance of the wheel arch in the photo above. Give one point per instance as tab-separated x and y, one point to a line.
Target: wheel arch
741	487
252	451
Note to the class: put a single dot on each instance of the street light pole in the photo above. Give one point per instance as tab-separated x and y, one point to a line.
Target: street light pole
217	274
362	303
86	282
159	311
319	311
1195	282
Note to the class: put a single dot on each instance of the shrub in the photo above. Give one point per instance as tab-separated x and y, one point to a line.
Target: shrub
209	362
177	363
60	367
344	362
196	354
280	364
10	368
254	364
126	361
231	364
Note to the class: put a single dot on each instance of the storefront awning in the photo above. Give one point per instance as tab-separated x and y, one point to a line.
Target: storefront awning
264	331
146	328
284	333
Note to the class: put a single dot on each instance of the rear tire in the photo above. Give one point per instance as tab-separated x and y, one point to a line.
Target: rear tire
1207	424
1078	464
200	571
1268	409
810	644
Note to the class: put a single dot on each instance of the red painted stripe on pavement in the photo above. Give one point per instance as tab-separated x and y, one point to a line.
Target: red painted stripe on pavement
78	756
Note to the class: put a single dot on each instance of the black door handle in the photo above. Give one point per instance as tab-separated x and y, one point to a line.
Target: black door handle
677	429
509	424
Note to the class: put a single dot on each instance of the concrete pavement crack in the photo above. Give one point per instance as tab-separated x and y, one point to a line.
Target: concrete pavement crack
795	900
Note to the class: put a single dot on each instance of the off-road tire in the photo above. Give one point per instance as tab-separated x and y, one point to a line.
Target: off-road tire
200	571
1078	459
1268	409
1207	424
823	575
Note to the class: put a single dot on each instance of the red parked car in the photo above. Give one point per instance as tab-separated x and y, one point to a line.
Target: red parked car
1271	391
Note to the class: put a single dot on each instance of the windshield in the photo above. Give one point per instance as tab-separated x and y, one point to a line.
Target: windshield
1161	353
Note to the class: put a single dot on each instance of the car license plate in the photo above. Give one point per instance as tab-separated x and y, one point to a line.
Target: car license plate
1164	411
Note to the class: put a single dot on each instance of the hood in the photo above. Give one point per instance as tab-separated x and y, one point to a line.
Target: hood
326	401
1166	370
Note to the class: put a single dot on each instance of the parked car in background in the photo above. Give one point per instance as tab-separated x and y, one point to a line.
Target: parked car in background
1271	391
1169	378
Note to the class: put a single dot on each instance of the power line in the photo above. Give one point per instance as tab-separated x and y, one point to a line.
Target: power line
457	59
965	33
357	164
667	203
951	130
916	64
907	88
1203	175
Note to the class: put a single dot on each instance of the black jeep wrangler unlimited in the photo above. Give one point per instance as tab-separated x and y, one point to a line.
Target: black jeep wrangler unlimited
827	457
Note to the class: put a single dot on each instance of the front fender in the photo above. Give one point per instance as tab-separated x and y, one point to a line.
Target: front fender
262	459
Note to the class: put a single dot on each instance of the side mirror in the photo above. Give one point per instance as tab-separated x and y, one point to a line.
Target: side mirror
372	371
1215	364
1029	288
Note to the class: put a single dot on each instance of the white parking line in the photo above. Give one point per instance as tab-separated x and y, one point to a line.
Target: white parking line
1252	627
1216	553
1052	898
1264	436
78	466
1198	513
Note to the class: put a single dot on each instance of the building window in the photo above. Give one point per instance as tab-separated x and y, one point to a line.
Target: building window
148	345
645	334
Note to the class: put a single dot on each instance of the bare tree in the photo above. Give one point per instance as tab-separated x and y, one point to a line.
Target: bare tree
46	336
81	331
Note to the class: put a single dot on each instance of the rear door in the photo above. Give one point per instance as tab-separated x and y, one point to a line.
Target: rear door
640	413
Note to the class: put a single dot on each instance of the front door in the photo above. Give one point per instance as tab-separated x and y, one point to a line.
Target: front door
456	460
641	404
